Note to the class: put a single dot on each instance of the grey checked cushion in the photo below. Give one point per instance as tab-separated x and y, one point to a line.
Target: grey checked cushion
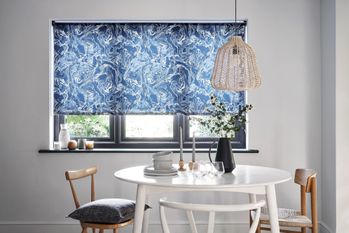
106	211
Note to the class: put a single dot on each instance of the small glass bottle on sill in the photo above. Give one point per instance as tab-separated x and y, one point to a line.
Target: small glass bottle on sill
64	136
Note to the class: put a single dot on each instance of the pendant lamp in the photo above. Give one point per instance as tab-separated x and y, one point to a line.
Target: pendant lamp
235	67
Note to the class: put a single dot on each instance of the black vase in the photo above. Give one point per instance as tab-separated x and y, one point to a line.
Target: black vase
225	154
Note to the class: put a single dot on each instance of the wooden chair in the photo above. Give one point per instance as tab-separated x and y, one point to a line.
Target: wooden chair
290	218
74	175
211	208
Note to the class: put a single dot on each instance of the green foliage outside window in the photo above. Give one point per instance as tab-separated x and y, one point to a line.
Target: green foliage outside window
88	126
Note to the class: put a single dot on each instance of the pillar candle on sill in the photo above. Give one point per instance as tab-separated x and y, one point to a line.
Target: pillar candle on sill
181	143
193	153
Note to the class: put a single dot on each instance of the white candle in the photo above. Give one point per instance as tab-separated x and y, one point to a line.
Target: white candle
181	143
193	153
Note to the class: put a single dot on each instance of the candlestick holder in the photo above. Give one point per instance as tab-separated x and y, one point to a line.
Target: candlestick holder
193	165
181	165
190	165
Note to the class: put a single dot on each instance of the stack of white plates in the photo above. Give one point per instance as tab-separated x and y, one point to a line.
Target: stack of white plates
150	171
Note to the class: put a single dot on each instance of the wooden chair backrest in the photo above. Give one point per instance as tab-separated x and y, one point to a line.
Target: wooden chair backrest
74	175
306	178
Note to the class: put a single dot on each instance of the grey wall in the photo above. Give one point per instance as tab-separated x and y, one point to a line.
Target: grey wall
328	174
342	115
335	113
285	124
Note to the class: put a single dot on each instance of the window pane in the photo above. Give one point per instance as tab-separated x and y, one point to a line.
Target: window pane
200	131
96	126
149	126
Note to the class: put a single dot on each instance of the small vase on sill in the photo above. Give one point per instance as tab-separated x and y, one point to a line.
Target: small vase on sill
64	136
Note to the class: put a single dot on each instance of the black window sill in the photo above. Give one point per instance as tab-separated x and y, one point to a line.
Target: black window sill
48	151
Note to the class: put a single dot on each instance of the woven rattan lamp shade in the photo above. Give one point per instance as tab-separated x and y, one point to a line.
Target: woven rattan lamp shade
235	67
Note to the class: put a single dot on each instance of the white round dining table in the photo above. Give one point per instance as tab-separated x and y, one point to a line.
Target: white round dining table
254	180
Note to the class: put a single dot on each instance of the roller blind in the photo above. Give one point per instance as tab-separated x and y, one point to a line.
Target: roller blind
138	68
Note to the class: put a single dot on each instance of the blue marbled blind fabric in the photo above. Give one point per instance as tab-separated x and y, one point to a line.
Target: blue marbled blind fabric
138	68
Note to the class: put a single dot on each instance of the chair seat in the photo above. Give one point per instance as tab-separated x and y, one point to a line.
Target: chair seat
107	211
106	225
287	218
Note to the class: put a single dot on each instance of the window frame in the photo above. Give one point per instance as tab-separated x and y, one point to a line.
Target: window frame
117	139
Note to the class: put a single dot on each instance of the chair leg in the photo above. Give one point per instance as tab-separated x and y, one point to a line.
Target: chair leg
304	230
84	230
145	224
315	226
211	222
258	230
94	230
253	199
101	230
115	230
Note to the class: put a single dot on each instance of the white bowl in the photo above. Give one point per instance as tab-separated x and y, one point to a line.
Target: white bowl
162	164
163	155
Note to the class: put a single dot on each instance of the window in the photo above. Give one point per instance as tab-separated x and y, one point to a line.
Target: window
149	126
139	131
95	126
132	85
